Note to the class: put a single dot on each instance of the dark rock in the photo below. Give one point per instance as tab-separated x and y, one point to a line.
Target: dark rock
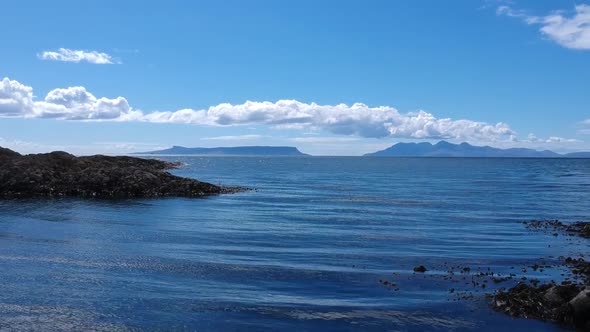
387	283
581	228
579	267
4	152
60	174
420	269
559	294
580	306
498	280
568	303
529	301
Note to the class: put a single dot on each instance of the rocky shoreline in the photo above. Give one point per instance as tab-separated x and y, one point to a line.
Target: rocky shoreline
567	303
60	174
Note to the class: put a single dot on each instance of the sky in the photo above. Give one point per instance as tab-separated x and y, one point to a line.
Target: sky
329	77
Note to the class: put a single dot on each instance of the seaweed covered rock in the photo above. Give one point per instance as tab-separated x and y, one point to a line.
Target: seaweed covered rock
581	228
62	174
567	304
547	302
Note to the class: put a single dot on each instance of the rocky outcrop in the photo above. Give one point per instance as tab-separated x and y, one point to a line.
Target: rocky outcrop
58	174
581	228
548	302
568	303
580	308
4	152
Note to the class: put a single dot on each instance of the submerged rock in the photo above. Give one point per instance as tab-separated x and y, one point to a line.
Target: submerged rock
567	304
581	228
580	268
420	269
59	173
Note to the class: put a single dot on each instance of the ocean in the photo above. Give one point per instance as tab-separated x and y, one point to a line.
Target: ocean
320	244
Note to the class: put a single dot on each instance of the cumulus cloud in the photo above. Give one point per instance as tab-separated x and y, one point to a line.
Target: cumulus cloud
357	119
68	55
233	138
351	122
532	138
555	139
585	130
568	31
16	99
75	103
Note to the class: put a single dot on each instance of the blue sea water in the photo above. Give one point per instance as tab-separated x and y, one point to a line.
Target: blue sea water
305	251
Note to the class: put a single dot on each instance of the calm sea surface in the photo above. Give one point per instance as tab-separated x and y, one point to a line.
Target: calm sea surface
306	251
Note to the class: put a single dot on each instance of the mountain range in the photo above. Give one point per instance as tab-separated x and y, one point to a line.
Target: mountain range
446	149
230	151
424	149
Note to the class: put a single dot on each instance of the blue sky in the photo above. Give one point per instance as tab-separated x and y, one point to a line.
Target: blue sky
330	77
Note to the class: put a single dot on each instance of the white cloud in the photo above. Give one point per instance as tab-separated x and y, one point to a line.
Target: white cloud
16	99
323	139
75	103
353	123
233	138
568	31
532	138
357	119
584	131
124	147
555	139
68	55
509	11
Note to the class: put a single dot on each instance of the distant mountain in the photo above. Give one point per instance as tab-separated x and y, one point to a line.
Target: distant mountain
233	151
446	149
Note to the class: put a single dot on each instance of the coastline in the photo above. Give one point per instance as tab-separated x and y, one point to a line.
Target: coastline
60	174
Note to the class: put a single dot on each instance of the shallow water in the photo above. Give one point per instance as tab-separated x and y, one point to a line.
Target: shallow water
305	251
